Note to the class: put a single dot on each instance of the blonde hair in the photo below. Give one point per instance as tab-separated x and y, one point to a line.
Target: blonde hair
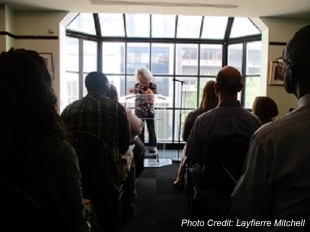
147	73
209	99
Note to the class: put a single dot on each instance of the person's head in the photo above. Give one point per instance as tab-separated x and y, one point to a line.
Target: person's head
28	103
228	83
296	63
143	75
113	93
209	99
265	108
97	82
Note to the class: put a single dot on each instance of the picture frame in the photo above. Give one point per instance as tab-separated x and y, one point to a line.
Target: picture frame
48	58
276	75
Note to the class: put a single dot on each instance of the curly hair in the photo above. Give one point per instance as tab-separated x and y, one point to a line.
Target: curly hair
28	103
209	99
146	72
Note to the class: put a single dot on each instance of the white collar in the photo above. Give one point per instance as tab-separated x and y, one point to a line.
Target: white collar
304	100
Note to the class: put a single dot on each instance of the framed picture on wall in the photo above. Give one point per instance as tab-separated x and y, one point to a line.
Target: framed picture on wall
276	76
48	57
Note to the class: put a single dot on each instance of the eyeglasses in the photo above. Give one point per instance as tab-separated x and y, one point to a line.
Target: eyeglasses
280	65
281	62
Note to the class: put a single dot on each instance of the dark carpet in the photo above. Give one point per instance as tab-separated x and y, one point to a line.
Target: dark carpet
160	206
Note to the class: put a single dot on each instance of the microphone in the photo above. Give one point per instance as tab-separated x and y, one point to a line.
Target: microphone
183	82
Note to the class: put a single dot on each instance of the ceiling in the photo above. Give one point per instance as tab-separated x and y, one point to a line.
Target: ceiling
246	8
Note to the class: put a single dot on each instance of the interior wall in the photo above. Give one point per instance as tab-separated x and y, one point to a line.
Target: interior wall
39	31
280	32
264	54
7	24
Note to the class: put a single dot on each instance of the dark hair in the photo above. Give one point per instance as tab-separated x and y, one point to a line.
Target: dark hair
265	108
97	81
28	103
297	50
113	92
297	45
209	99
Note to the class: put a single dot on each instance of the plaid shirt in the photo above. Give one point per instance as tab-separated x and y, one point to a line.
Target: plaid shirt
101	116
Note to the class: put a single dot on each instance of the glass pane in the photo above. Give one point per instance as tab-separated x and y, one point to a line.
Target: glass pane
111	24
235	56
214	27
251	90
165	88
130	83
113	58
162	58
138	55
89	56
178	129
243	27
189	26
119	83
72	54
210	59
84	86
84	22
254	58
185	92
69	89
138	25
163	26
163	125
187	59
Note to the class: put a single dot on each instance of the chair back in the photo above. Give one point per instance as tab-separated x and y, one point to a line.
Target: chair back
97	165
224	163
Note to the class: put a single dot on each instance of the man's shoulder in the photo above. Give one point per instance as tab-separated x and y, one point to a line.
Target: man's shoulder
286	124
227	110
72	106
219	114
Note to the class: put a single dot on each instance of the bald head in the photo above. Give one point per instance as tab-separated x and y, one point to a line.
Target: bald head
228	81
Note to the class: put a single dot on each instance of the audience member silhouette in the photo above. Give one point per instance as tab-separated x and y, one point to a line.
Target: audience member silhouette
275	184
228	118
209	100
100	115
265	109
36	160
96	113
